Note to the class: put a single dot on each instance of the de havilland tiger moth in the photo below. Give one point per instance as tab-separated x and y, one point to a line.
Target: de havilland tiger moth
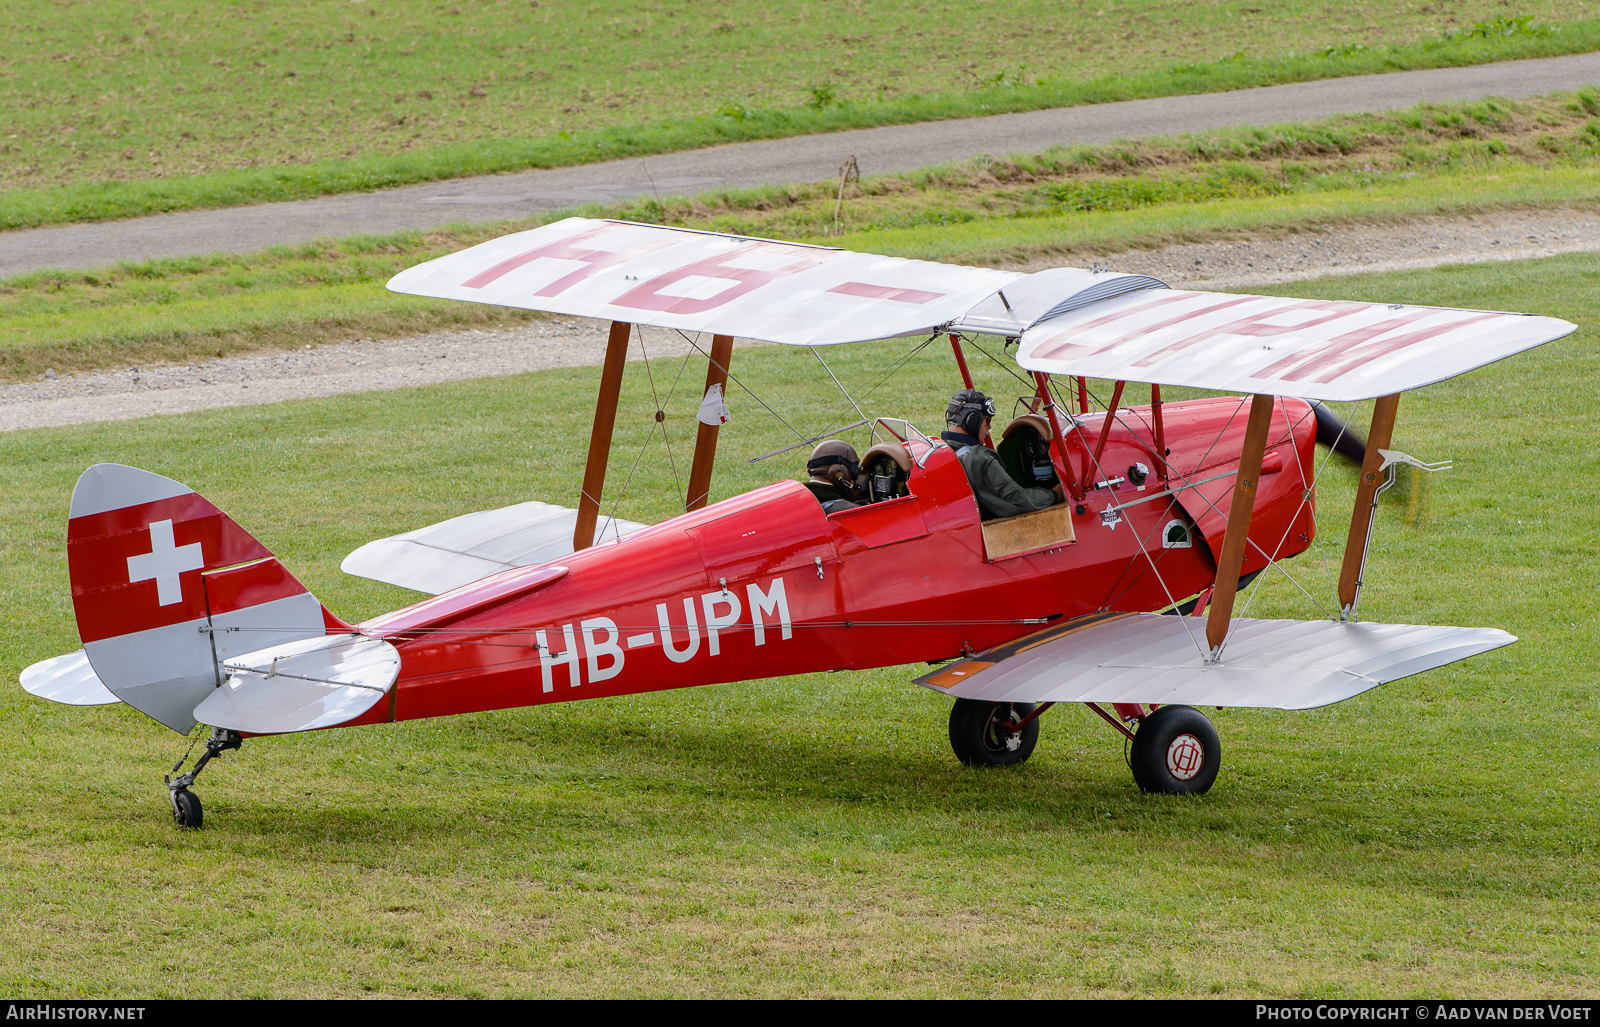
1164	508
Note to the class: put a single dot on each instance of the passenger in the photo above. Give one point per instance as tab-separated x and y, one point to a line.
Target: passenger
968	417
834	472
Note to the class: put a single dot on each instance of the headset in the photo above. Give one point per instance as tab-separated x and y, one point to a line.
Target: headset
968	408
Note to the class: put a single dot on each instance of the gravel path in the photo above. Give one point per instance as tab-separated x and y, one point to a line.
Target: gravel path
1356	249
774	162
365	365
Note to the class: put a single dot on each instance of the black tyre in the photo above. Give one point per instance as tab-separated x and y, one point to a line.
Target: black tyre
186	808
979	740
1176	752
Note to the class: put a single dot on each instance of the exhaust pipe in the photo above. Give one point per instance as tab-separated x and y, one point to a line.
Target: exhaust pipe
1339	436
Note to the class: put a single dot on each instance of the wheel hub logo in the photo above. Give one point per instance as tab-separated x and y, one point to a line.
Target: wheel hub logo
1185	756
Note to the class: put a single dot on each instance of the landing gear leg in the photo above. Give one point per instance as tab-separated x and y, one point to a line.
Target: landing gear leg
186	804
986	734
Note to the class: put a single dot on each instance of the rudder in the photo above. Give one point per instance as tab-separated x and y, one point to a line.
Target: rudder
166	587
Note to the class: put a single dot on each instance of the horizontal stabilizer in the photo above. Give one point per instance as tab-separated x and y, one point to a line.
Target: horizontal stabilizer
1150	658
67	679
302	686
465	549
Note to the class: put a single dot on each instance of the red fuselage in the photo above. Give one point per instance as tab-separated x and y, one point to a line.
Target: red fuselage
765	584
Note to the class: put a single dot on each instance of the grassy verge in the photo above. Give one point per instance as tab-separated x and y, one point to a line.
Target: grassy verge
813	836
1002	241
1066	204
349	105
1349	155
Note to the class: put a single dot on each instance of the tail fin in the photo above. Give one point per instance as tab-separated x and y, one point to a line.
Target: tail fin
166	587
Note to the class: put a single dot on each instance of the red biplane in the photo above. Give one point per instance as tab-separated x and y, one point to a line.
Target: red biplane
1167	508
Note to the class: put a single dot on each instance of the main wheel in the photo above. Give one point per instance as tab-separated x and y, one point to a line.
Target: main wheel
186	808
978	738
1176	751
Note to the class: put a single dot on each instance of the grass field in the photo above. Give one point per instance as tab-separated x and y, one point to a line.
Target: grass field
814	836
1071	205
167	105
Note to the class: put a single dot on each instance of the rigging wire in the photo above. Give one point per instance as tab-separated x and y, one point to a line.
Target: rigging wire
731	377
1310	491
835	378
660	421
1272	559
1305	501
903	361
996	362
1144	550
661	408
1344	425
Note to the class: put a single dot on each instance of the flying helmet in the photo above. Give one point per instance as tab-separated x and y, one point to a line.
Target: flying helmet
832	460
968	408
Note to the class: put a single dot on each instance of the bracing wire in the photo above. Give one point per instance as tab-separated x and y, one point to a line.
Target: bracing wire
1272	558
842	390
1327	567
750	392
682	367
1144	550
898	365
996	361
661	409
610	509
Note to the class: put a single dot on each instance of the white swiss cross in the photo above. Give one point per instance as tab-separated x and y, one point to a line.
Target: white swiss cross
165	561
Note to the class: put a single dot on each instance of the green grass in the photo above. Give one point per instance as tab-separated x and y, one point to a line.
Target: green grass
171	106
1068	204
813	836
1113	231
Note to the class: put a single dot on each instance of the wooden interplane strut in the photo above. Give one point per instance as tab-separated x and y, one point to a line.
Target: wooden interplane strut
1379	438
605	419
1237	535
705	442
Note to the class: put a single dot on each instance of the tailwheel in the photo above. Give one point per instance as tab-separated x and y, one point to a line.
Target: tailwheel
1175	751
186	804
186	808
987	734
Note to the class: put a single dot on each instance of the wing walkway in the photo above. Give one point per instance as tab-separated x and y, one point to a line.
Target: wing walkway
742	165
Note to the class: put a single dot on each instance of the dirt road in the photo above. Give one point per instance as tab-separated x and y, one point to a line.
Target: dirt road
365	365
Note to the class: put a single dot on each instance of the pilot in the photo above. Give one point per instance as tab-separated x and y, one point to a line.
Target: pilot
968	417
834	472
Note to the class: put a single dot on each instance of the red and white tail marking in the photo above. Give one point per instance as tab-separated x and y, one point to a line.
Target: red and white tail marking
166	587
165	562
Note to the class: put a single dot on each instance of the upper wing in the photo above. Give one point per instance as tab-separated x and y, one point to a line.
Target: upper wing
707	282
1070	321
1314	349
1151	658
